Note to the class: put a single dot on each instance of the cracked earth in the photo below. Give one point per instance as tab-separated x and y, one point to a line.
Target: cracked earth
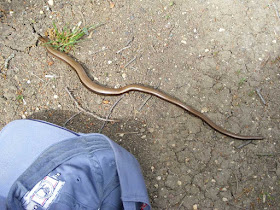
212	55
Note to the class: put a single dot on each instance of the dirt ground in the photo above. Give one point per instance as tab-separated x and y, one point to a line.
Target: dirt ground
212	55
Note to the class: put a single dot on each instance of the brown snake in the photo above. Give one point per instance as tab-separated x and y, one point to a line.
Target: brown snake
117	91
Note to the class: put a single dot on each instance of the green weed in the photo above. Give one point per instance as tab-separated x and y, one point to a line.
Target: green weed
167	17
251	93
238	71
65	39
269	196
242	81
172	3
20	98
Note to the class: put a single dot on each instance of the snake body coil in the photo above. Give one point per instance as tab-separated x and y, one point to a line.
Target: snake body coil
117	91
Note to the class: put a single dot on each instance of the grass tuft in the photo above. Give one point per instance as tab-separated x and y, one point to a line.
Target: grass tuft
65	39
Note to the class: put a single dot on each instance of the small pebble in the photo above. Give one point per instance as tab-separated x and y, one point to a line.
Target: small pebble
179	183
158	178
195	207
204	110
55	96
41	12
142	130
168	25
184	42
98	100
222	30
28	82
117	86
151	130
50	2
23	116
124	75
225	199
109	62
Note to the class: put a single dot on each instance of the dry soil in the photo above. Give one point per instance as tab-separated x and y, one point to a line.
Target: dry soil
212	55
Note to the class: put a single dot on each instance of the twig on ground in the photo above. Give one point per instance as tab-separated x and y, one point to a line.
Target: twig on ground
244	144
276	10
123	49
147	99
181	204
6	64
124	133
153	48
82	15
102	49
83	110
110	112
133	59
267	154
74	115
36	76
237	187
51	76
258	90
144	103
232	204
128	43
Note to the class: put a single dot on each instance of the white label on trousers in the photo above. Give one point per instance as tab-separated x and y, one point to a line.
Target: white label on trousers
42	194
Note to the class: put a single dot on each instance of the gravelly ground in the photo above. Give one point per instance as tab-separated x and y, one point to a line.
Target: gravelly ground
213	55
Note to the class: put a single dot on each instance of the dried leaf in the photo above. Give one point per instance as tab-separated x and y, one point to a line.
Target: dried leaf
112	4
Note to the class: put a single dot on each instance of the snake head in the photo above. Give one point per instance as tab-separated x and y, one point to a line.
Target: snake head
43	39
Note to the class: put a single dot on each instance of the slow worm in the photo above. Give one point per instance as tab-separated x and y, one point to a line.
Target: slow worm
99	89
